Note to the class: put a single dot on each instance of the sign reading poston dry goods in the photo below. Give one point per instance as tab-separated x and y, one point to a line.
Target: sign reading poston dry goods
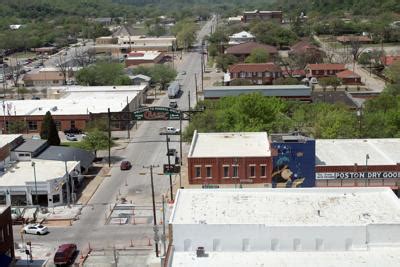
357	175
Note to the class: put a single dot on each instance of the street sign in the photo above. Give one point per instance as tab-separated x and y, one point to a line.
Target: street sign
171	169
156	114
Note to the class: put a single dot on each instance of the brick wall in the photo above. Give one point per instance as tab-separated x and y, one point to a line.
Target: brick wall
6	231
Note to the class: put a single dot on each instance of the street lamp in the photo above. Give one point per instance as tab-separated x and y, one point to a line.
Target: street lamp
68	182
359	115
34	175
366	168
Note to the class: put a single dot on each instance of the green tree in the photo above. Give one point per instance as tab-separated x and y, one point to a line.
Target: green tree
272	33
94	141
15	127
162	74
103	73
257	55
393	72
330	81
185	32
48	130
237	82
224	60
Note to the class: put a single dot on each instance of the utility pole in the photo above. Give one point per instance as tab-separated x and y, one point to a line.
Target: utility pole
128	122
163	237
154	206
109	138
188	99
169	166
195	84
202	66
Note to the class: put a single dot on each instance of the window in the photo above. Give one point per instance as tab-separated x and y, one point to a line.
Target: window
319	244
267	74
242	75
58	125
216	245
197	171
259	74
349	243
248	74
296	244
208	172
275	244
56	198
72	124
252	171
24	155
226	171
32	125
187	245
246	244
263	171
235	171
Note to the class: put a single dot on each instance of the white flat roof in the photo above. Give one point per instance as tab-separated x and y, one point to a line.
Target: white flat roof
237	144
100	89
284	206
22	172
347	152
143	55
78	101
374	257
8	138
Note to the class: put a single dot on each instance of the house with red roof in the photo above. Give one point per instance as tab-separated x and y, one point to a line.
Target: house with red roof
323	70
310	52
256	73
349	77
241	51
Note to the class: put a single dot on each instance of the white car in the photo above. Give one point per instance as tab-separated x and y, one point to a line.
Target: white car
173	130
36	229
71	137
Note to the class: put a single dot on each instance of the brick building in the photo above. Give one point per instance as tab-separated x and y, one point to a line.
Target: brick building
230	158
256	73
274	16
79	105
349	77
135	58
6	237
323	70
241	51
358	162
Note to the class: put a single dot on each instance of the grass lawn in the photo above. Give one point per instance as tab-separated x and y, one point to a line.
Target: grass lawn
76	144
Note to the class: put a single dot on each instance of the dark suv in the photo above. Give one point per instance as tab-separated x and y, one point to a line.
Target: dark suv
65	254
73	131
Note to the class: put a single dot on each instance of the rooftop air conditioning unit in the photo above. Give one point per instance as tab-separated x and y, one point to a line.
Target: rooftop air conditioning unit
54	108
200	252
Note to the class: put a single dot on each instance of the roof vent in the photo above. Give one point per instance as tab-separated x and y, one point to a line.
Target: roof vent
201	253
54	108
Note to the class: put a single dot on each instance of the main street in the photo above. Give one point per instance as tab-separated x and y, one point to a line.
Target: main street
146	147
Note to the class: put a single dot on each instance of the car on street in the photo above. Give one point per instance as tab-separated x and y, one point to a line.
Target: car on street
183	73
65	254
125	165
35	229
173	130
173	104
71	137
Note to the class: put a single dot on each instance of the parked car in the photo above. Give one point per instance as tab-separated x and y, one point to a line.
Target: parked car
65	254
35	229
125	165
183	73
173	130
73	131
173	104
71	137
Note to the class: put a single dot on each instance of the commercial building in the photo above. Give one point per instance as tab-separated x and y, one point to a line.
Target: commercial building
308	227
7	143
50	76
78	105
49	178
295	92
294	160
349	77
256	73
273	16
6	237
122	45
358	162
241	37
230	158
136	58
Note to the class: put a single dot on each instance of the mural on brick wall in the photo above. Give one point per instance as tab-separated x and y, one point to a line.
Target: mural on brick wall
294	164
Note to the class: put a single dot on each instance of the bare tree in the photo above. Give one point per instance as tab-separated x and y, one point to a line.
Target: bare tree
355	50
63	67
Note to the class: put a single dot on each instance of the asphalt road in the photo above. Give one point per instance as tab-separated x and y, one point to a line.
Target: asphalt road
146	147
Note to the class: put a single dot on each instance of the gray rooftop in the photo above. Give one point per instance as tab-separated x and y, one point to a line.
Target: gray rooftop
68	154
266	90
34	146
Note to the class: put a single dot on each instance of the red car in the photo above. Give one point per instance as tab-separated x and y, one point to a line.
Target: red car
125	165
65	254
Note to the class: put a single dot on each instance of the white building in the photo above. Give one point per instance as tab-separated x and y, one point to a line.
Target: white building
18	187
241	37
285	227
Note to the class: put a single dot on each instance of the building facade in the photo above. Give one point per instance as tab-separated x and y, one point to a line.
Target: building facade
358	162
6	237
241	37
306	227
323	70
229	158
349	77
273	16
260	73
136	58
241	51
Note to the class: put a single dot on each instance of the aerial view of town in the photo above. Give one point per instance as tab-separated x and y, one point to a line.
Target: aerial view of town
199	133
